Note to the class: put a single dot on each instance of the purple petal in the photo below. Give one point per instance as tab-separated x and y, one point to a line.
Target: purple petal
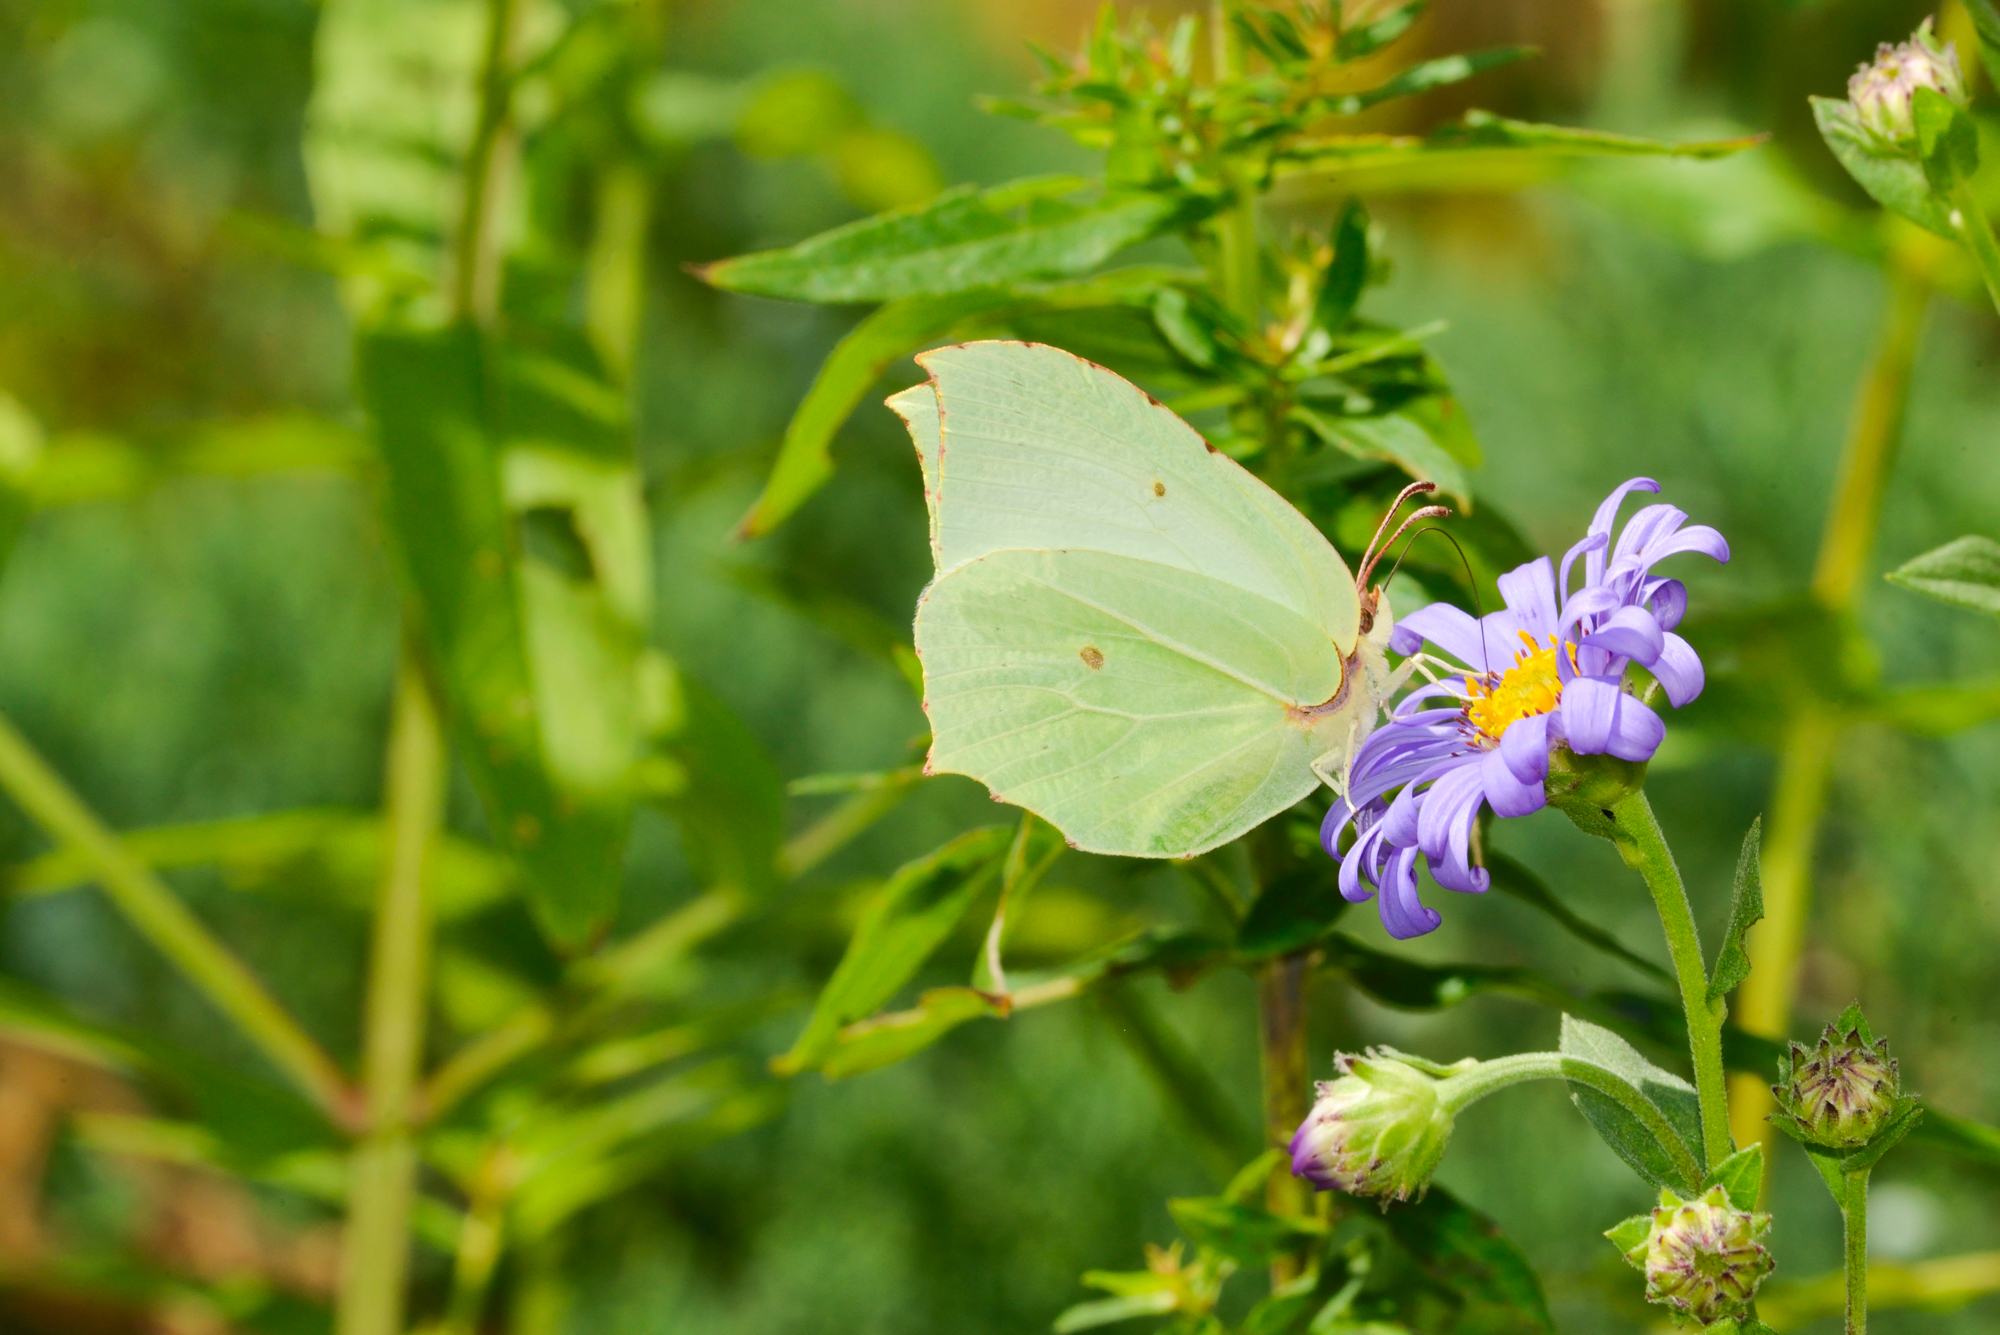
1679	670
1700	538
1530	591
1524	747
1505	792
1636	731
1589	709
1444	829
1403	914
1667	599
1596	542
1629	632
1607	515
1443	625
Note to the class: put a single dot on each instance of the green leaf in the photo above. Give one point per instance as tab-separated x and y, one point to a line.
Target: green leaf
805	459
1409	985
1946	138
1370	37
1746	910
1986	21
1965	572
1394	438
1423	77
1741	1175
963	239
1897	183
1106	1311
1245	1233
539	669
1514	880
1346	274
1462	1249
731	807
1962	1136
1628	1235
1624	1133
1485	129
883	1040
1292	912
908	919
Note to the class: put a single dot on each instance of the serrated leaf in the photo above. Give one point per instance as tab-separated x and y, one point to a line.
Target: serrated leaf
1741	1175
1463	1250
1897	183
906	920
1629	1138
1964	572
1746	910
965	238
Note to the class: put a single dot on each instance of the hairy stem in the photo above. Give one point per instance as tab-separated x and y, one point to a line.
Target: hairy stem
1764	1002
159	916
1286	1060
1854	1215
382	1169
1644	848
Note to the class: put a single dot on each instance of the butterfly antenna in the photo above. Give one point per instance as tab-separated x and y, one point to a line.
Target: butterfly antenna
1415	517
1372	555
1471	583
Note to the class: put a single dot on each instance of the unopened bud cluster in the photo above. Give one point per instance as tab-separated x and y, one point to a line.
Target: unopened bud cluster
1842	1092
1704	1258
1884	91
1379	1130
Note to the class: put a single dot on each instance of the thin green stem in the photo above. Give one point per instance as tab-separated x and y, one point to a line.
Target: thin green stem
382	1169
1287	1068
1460	1091
1977	233
479	1243
477	249
1644	848
1854	1214
159	916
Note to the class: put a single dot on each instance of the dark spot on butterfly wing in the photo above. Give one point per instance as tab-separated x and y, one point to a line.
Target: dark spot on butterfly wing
1159	488
1092	657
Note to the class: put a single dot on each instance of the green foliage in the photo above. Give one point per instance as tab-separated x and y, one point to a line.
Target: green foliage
1630	1139
1746	910
1965	572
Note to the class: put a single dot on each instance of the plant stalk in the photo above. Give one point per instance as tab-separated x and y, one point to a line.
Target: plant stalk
1805	754
1286	1061
1854	1216
478	251
1977	233
159	916
382	1169
1644	848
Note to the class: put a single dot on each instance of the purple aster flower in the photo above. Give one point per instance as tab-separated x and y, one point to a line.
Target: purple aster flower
1548	668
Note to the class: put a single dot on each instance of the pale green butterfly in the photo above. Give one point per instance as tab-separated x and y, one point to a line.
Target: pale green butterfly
1129	634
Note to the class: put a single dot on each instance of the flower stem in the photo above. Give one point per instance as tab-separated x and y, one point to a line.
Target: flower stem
160	917
1805	754
1977	233
1644	848
1287	1066
382	1169
1854	1214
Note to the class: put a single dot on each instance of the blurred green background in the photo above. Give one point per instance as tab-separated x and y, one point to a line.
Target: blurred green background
198	621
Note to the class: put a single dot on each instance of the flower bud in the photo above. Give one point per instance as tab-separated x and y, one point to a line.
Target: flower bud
1704	1258
1883	92
1379	1130
1842	1092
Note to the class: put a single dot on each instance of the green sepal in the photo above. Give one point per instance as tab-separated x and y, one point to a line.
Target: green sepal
1629	1237
1901	1122
1741	1175
1852	1021
1895	181
1947	140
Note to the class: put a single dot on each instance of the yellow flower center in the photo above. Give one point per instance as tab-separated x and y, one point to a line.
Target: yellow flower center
1530	687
